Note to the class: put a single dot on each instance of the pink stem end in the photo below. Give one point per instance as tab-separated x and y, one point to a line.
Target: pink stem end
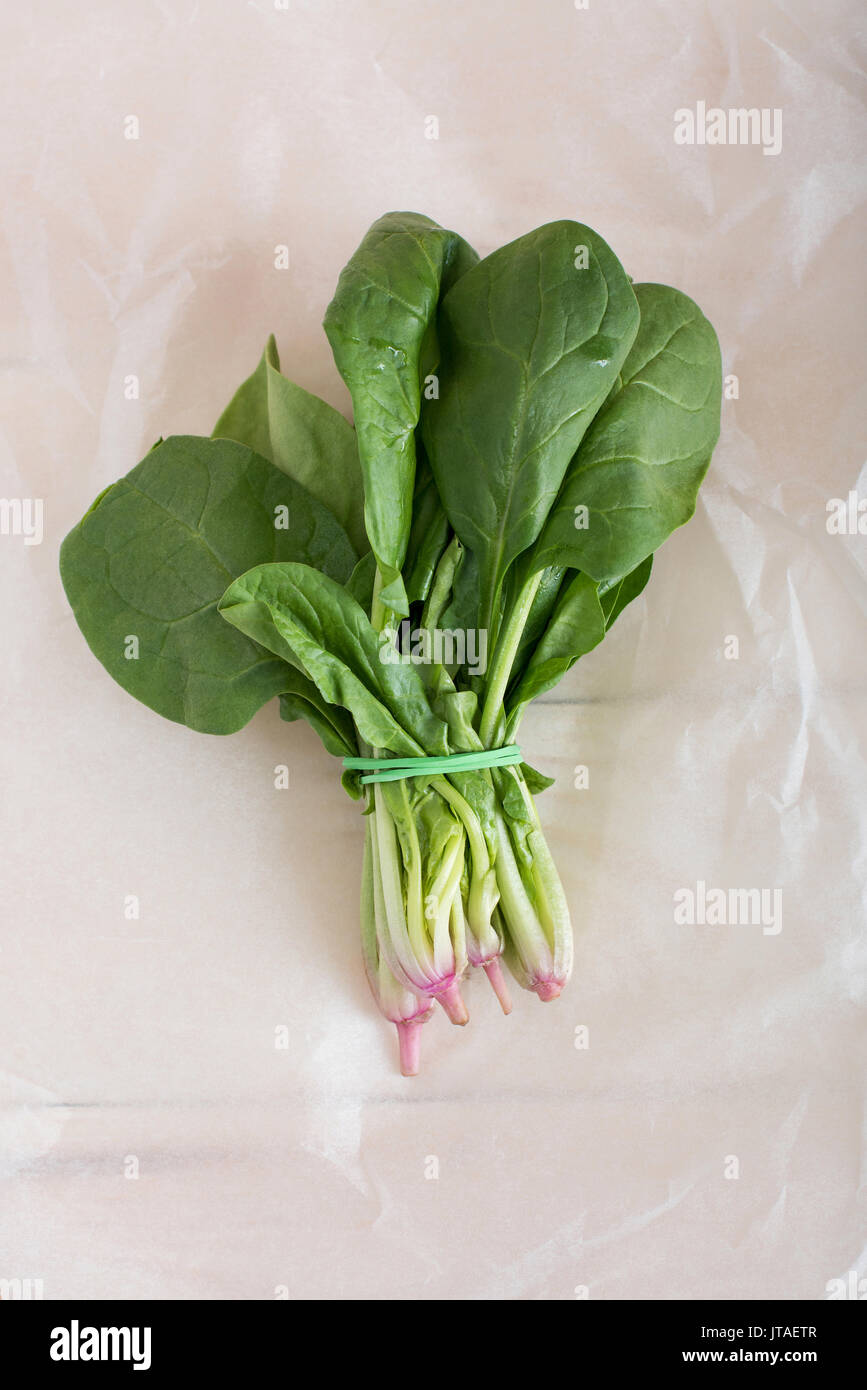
494	971
547	990
409	1042
451	1000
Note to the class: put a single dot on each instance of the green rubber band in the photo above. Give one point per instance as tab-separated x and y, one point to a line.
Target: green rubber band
395	769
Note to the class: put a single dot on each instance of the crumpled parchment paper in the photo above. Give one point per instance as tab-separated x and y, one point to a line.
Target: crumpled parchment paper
687	1121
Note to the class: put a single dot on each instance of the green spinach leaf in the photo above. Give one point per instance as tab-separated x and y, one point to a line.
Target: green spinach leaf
145	568
301	700
538	618
429	534
636	476
577	625
615	597
380	324
302	436
532	341
360	583
305	617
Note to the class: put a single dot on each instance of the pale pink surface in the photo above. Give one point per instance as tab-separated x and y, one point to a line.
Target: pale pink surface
561	1167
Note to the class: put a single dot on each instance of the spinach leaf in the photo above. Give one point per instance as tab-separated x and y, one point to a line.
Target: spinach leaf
577	625
537	620
380	325
429	534
531	346
530	428
535	781
146	566
300	699
615	597
462	612
361	581
642	461
301	435
308	619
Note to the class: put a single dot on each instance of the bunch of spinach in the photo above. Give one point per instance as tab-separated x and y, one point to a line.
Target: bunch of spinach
528	429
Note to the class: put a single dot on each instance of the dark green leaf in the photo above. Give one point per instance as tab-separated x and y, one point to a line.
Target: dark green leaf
642	461
380	326
617	596
360	583
531	346
154	554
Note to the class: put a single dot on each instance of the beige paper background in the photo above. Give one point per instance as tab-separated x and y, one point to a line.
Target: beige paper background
559	1169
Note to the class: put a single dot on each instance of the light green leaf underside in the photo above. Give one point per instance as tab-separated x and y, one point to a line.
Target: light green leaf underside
301	615
301	435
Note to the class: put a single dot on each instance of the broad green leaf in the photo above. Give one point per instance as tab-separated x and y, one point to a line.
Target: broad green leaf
306	617
153	556
576	626
531	345
380	325
615	597
302	436
636	476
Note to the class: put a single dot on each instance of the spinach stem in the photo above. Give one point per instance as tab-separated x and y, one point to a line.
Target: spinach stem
504	659
378	610
468	818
